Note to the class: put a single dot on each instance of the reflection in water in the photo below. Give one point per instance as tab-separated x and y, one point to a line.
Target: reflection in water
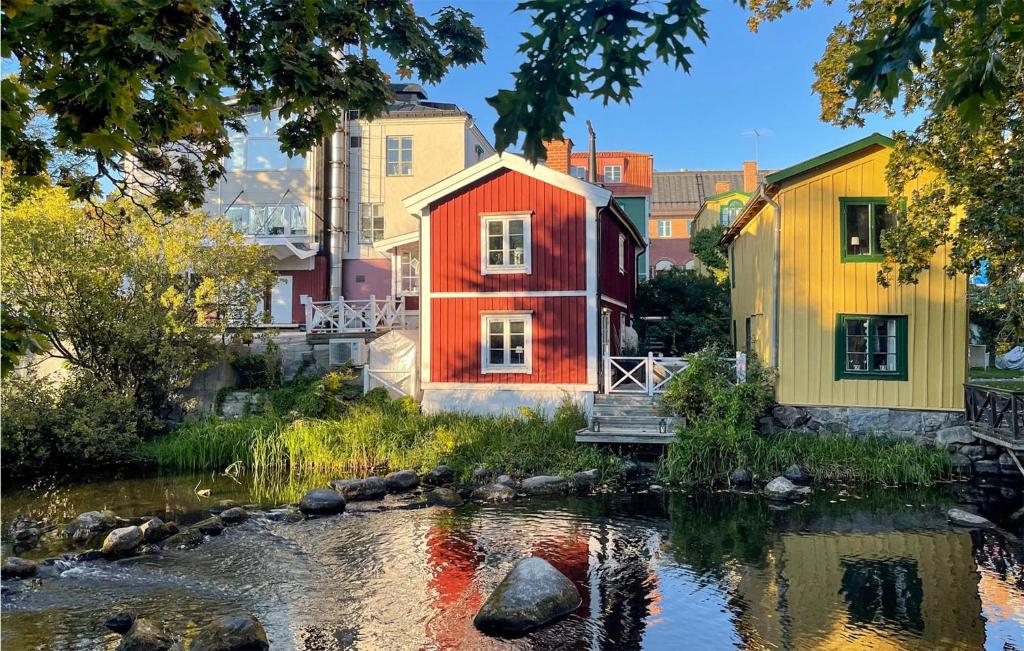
878	571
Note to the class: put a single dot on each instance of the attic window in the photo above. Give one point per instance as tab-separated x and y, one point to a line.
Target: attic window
862	222
578	172
613	173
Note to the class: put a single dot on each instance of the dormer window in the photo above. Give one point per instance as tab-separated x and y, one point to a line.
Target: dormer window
505	243
613	173
728	213
578	172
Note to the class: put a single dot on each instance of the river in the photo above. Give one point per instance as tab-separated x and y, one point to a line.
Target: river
878	569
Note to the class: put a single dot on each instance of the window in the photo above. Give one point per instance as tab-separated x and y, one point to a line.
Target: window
353	114
613	173
871	347
862	222
663	266
664	228
727	213
258	148
748	335
399	156
506	343
409	274
371	222
355	142
273	221
578	172
505	243
622	253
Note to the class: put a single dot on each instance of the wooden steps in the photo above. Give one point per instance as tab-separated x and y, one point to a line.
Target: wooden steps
627	418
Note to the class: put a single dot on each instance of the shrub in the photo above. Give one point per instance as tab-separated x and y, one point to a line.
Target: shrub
260	370
692	311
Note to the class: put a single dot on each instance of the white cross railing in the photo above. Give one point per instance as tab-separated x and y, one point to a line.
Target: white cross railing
367	315
399	381
650	375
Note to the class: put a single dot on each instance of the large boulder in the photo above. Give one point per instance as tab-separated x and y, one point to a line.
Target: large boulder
973	452
120	622
741	477
797	475
146	635
586	478
950	435
187	539
444	497
18	568
25	532
89	524
123	541
371	488
494	493
322	501
155	530
232	634
506	480
439	476
545	485
788	417
963	518
780	489
531	595
212	526
401	481
234	515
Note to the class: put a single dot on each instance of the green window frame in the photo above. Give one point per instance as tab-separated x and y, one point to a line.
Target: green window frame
870	251
871	347
728	212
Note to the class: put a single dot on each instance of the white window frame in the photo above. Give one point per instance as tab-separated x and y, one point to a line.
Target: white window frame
408	274
579	172
486	319
664	228
617	173
400	148
260	131
622	253
366	212
486	268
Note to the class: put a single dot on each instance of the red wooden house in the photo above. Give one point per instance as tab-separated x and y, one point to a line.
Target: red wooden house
527	277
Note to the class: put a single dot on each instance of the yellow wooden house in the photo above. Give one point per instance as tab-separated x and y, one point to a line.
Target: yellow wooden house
718	209
804	252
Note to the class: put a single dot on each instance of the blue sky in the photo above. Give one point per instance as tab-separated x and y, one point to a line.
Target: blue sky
739	81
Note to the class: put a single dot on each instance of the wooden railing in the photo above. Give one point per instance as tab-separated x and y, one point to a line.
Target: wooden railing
994	410
369	315
650	375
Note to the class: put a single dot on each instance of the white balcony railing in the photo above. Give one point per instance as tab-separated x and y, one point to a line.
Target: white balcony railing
369	315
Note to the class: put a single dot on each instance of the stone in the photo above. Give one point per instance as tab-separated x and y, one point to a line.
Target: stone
481	475
288	514
532	594
505	480
234	515
829	417
780	489
973	452
991	451
866	420
120	623
797	475
18	568
741	477
222	506
789	417
949	435
401	481
905	420
88	524
123	541
371	488
244	633
963	518
545	485
155	530
440	476
186	539
444	497
494	493
586	478
146	635
212	526
988	467
1007	466
322	501
960	464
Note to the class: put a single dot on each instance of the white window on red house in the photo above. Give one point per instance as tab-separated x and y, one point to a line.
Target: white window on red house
409	278
613	173
622	254
506	339
505	243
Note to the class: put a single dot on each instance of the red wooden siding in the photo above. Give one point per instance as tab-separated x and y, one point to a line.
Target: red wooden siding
559	344
558	234
620	286
312	283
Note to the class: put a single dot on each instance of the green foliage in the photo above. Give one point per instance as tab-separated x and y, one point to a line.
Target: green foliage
260	370
20	338
146	80
380	433
83	423
704	245
998	311
693	311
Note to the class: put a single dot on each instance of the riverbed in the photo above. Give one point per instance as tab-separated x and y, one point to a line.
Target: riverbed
872	569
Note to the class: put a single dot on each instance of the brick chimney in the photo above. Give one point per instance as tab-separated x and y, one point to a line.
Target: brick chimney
749	176
559	154
722	186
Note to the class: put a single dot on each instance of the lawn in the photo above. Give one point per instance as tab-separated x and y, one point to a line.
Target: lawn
1011	380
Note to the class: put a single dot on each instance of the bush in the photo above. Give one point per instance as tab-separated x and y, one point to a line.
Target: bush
260	370
692	311
83	423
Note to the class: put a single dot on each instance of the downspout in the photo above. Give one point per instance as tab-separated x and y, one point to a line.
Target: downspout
777	269
592	158
338	199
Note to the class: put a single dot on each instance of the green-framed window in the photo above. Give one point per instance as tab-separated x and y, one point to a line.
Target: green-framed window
862	220
871	347
728	212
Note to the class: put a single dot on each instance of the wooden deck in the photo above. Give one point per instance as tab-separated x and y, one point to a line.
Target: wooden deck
995	415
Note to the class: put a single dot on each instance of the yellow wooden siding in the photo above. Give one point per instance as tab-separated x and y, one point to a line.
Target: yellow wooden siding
752	295
816	286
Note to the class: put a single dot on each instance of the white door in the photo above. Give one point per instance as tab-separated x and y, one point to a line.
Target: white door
281	300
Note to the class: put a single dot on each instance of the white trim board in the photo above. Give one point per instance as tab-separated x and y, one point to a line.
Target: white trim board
614	301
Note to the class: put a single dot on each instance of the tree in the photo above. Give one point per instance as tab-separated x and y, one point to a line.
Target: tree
132	305
706	247
683	311
146	80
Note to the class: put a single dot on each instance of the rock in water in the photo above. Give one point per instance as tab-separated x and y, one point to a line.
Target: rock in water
120	623
506	480
443	497
741	477
232	634
123	541
212	526
155	530
18	568
965	519
545	485
322	501
222	506
401	481
781	489
440	476
371	488
494	493
481	475
88	524
186	539
587	478
531	595
797	475
146	635
234	515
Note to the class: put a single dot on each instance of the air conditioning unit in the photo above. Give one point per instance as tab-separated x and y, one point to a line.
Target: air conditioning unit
346	351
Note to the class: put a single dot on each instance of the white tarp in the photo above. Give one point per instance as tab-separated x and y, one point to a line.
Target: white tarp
391	362
1013	359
